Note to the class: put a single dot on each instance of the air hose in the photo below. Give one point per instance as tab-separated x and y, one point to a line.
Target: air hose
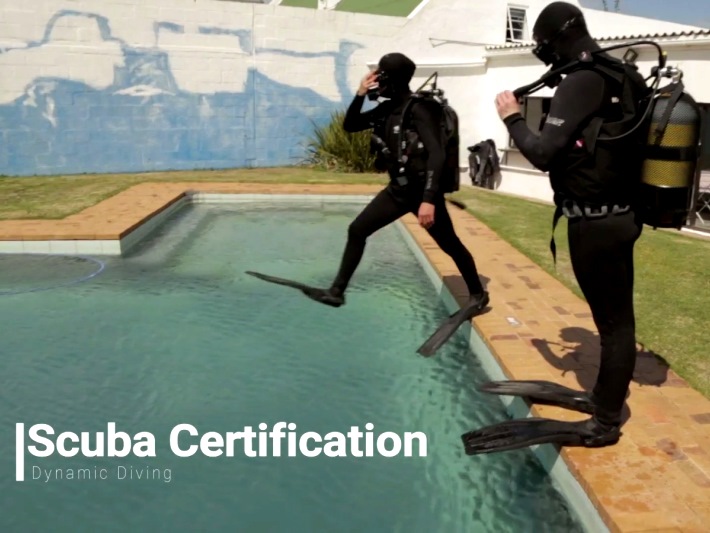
100	267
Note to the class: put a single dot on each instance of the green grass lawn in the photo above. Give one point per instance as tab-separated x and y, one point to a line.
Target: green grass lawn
394	8
300	3
60	196
672	277
672	281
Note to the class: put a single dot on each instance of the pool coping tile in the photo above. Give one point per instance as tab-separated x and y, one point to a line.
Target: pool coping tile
656	479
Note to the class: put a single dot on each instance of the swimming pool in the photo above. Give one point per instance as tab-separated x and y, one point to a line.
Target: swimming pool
176	333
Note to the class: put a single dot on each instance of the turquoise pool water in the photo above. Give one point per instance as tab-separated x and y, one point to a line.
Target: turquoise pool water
177	333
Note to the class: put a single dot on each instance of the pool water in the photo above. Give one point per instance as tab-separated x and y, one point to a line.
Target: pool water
176	333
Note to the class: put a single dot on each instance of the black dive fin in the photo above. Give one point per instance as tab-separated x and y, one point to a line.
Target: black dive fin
543	392
450	325
457	203
314	293
279	281
516	434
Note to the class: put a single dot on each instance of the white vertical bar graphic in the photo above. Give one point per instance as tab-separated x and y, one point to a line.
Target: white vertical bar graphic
19	452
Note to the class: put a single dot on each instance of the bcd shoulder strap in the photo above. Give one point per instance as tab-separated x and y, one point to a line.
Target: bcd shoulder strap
403	125
413	99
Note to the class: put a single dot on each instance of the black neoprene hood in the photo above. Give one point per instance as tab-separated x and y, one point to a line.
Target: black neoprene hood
398	67
553	17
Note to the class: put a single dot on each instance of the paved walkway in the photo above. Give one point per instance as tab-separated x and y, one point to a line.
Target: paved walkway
657	478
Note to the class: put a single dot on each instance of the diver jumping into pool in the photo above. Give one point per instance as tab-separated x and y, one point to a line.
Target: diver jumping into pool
417	185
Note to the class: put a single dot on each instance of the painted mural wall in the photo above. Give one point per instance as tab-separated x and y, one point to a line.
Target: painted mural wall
147	85
122	86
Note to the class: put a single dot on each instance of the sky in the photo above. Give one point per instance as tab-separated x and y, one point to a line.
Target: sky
693	12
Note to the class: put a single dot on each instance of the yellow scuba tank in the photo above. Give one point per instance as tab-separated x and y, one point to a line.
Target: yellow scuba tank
671	157
667	139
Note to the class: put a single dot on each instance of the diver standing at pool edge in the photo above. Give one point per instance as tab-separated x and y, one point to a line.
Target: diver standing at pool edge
418	190
595	183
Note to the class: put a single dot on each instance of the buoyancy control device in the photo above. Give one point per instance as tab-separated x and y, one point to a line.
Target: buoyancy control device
668	130
410	149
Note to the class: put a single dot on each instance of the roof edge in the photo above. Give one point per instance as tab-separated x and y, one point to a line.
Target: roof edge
666	35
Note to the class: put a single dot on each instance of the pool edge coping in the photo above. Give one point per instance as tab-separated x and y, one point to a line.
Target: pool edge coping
556	466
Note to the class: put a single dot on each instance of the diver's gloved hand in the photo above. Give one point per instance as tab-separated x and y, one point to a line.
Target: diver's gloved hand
426	215
507	105
368	82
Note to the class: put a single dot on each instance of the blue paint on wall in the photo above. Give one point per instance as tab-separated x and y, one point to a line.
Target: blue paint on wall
101	21
60	126
244	36
168	26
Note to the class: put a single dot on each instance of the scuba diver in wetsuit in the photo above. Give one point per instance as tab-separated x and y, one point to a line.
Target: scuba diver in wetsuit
418	190
594	182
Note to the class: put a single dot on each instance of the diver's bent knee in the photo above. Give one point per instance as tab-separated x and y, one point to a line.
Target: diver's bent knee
357	232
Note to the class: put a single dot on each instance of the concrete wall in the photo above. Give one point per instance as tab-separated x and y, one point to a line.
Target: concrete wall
143	85
121	86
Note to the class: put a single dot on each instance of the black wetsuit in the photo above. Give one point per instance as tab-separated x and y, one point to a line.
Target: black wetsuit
601	249
399	199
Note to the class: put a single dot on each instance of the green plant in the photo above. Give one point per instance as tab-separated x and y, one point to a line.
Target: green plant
332	148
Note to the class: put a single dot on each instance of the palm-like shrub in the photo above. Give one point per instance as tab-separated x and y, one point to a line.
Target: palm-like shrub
333	148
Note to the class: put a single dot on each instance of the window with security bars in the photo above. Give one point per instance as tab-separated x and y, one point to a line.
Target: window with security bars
517	25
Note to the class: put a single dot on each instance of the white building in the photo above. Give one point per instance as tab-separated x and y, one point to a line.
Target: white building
490	50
